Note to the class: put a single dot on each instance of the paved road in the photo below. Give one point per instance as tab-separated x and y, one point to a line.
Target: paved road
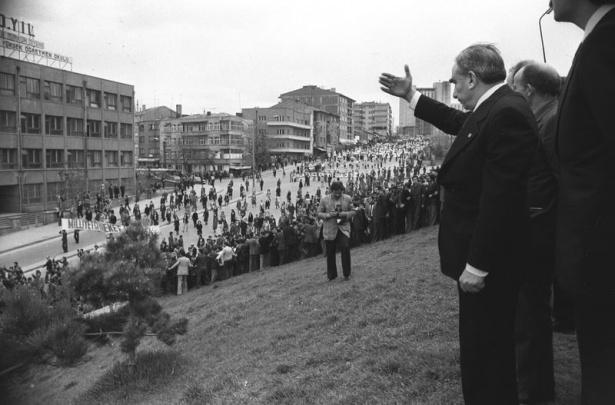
35	254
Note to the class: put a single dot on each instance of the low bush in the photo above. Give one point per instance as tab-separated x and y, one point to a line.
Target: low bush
65	340
152	372
31	326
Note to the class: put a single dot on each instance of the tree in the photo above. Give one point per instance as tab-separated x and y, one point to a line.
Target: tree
130	270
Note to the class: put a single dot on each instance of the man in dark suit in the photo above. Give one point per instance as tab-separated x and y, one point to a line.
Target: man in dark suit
539	84
585	143
484	224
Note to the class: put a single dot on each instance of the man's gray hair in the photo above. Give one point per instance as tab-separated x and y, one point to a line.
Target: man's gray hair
484	60
542	77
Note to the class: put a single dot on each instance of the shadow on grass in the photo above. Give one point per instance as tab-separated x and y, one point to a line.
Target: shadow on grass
123	383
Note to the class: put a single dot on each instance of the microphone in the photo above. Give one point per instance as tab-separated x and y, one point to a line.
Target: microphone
542	41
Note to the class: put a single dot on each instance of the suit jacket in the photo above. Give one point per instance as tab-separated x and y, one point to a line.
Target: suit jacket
331	226
585	141
484	220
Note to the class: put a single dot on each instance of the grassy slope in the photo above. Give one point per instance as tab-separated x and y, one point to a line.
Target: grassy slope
285	335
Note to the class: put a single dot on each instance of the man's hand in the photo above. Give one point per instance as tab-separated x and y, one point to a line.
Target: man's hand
471	283
397	86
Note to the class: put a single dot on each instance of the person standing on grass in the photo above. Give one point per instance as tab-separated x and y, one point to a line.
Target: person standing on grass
585	226
336	211
484	226
182	264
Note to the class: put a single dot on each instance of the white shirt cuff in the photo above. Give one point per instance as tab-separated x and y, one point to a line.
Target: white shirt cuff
415	99
473	270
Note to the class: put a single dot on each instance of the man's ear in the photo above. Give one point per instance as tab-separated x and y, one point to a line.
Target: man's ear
530	89
472	80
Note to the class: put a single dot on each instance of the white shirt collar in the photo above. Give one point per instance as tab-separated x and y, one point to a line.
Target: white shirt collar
488	94
596	17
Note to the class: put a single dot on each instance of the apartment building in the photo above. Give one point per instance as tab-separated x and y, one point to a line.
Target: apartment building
61	133
328	100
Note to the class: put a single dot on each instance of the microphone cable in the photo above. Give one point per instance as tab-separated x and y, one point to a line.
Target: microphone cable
542	41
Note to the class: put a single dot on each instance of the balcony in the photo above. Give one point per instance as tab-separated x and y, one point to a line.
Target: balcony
290	137
288	124
290	150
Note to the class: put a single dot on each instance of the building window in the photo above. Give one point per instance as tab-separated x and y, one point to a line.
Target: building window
128	182
74	158
141	139
8	158
54	158
111	158
126	131
153	151
7	84
30	88
53	91
54	190
32	158
94	158
32	193
30	123
93	97
74	95
126	102
111	101
110	129
126	158
53	125
75	126
93	129
8	121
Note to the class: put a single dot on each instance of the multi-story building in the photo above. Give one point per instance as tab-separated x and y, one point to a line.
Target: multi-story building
61	133
293	130
326	132
409	124
372	120
407	120
209	142
286	128
442	92
149	134
329	101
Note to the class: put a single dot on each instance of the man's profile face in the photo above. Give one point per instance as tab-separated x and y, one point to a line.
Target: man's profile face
462	91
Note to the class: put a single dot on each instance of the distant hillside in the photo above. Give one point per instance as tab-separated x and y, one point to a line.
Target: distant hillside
286	335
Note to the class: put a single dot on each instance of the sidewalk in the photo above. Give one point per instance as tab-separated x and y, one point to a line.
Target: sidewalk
37	234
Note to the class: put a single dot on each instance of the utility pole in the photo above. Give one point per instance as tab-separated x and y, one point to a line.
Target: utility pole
254	148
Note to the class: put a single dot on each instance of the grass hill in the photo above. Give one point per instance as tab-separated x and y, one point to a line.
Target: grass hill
286	335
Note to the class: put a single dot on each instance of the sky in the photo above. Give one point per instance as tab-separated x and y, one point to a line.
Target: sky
221	56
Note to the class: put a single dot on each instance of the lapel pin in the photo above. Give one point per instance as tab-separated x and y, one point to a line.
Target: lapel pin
470	135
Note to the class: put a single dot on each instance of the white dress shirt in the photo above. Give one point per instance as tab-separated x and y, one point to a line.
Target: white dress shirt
596	17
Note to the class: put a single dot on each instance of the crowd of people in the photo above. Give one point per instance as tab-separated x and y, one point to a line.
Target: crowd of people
225	230
392	193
